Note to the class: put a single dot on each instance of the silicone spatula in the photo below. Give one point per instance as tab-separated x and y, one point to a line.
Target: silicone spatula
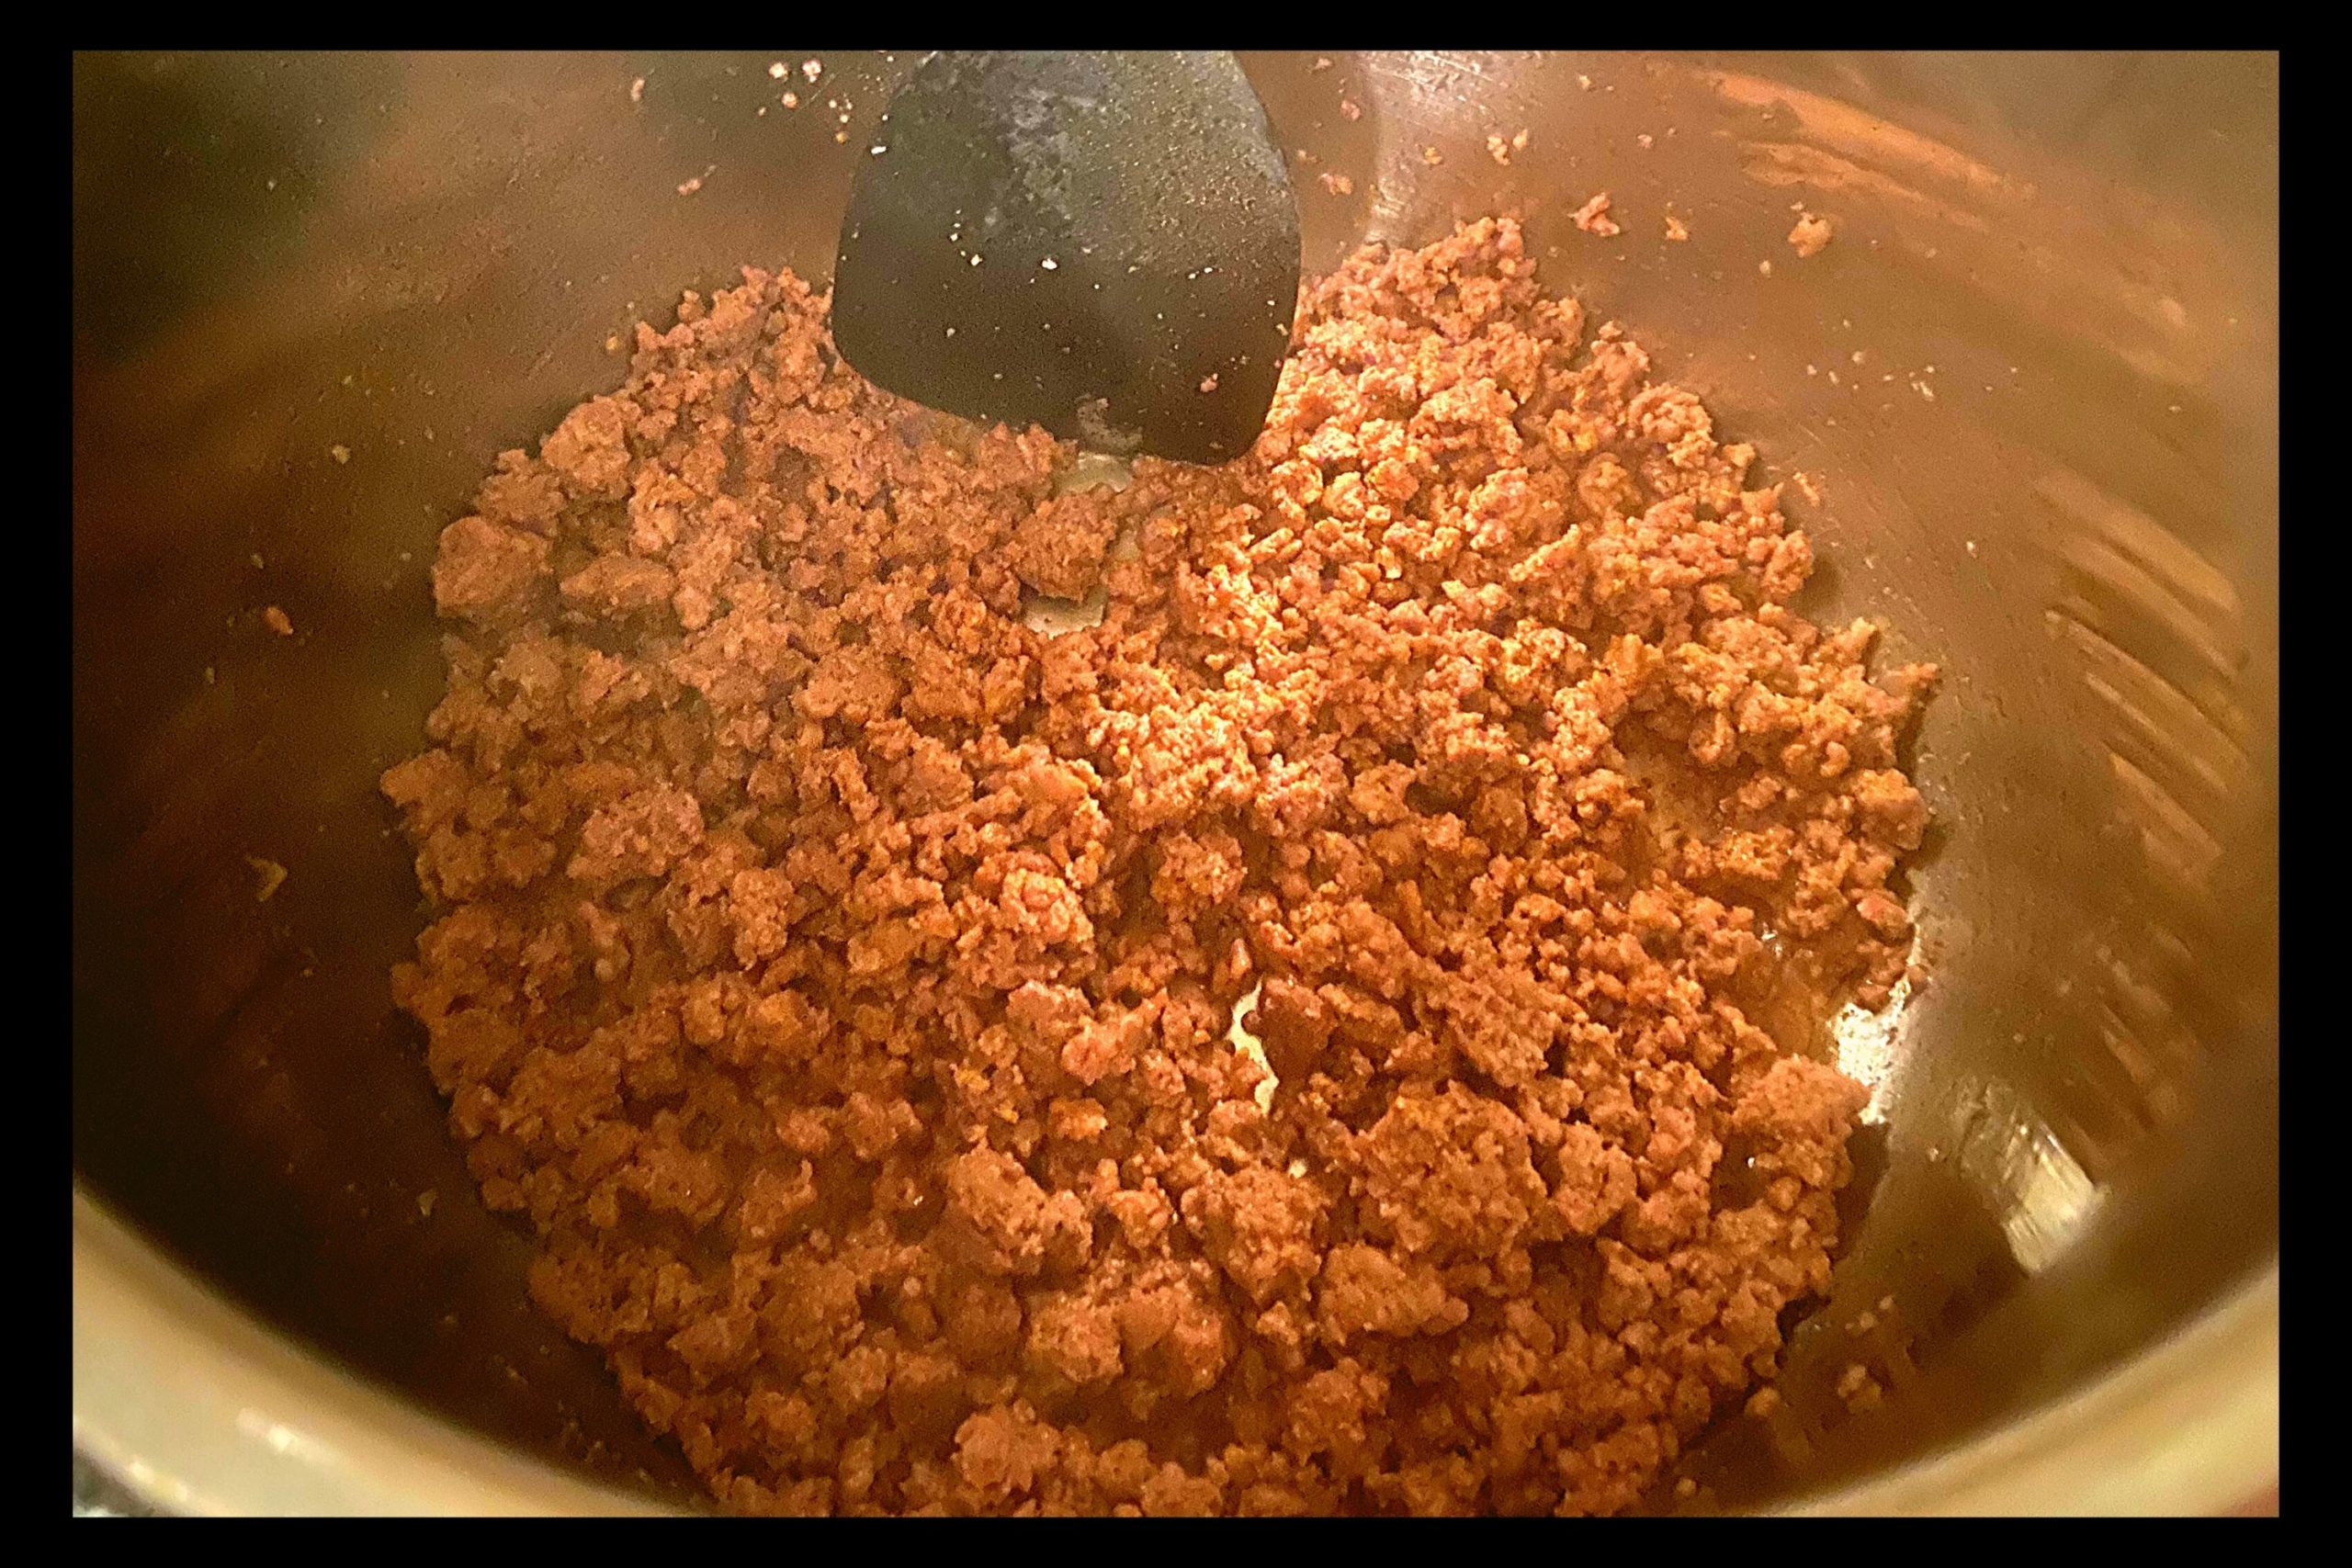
1103	243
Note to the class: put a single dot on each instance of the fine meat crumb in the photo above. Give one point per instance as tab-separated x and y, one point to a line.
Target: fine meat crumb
1593	216
1810	235
1858	1389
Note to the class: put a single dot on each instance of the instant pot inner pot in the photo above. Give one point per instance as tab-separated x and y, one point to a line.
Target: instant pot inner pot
2035	373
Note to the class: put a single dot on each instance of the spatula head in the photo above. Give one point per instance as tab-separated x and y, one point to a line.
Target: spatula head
1103	243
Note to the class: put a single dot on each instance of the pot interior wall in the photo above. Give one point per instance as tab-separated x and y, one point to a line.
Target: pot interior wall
2035	373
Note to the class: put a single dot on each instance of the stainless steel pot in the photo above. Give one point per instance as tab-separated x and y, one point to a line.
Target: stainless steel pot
2035	372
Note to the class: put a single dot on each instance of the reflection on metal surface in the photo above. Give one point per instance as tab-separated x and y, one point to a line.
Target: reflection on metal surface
2041	1193
1835	146
1250	1045
1865	1046
1052	618
2051	1199
2135	574
279	1438
1091	469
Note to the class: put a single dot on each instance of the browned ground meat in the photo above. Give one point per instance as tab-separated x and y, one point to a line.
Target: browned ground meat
836	973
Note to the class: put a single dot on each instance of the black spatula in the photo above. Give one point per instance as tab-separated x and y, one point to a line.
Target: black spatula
1103	243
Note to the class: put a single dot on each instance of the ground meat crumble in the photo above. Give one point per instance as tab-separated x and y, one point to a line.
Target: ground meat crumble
836	973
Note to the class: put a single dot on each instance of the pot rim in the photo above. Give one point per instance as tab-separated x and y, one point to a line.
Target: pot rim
201	1408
